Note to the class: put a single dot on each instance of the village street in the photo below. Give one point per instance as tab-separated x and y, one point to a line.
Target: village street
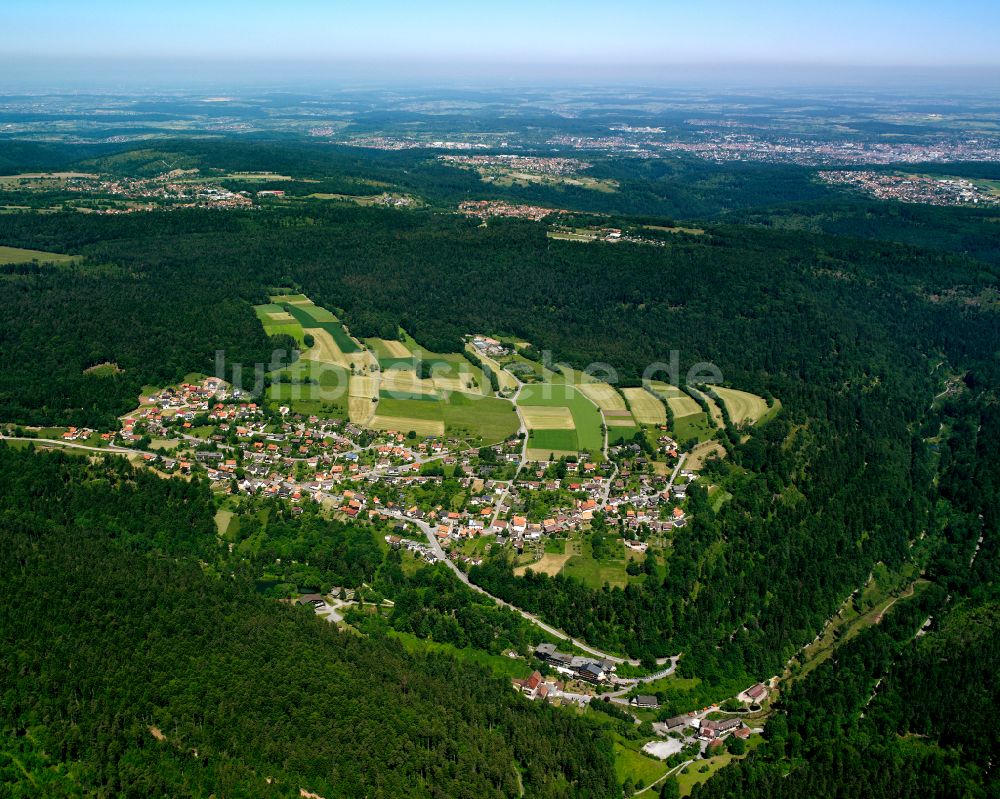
432	540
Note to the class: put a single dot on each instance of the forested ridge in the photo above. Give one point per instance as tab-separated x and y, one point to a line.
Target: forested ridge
906	708
126	671
847	333
855	318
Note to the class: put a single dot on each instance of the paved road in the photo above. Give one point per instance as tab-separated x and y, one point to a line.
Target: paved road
54	442
628	683
436	547
522	428
677	470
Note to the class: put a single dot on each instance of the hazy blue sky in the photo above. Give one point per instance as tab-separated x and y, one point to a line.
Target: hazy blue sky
621	33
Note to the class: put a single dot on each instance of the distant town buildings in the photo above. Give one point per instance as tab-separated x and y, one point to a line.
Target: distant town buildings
923	189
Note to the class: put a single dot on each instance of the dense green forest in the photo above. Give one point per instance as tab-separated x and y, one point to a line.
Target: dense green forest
848	333
855	314
901	711
127	671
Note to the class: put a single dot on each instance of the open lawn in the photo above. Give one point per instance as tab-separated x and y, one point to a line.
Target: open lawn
501	665
106	369
718	497
619	433
695	427
222	520
516	177
695	776
550	564
293	298
742	406
16	255
646	407
702	452
877	598
694	231
629	762
595	573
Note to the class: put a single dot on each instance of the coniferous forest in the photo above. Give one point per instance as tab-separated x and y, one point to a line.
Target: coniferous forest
137	659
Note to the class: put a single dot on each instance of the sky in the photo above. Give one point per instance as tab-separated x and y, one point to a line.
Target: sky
77	37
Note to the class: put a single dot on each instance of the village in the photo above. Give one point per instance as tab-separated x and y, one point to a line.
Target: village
908	188
436	500
211	429
448	501
583	680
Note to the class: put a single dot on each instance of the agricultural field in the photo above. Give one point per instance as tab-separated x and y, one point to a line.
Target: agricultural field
16	255
404	382
277	321
743	406
680	403
548	430
311	385
690	421
713	407
32	178
362	398
557	417
312	317
387	348
425	417
507	381
547	444
606	398
647	408
479	420
485	419
309	399
340	376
